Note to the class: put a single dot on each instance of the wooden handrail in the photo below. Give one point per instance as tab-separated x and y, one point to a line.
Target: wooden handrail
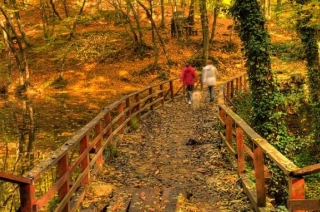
234	142
102	131
15	179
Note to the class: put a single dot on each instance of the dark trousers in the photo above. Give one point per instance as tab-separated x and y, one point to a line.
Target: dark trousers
211	93
189	92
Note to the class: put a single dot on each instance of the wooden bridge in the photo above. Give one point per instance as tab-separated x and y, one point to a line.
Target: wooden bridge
73	166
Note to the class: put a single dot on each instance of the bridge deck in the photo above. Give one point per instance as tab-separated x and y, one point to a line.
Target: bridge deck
158	167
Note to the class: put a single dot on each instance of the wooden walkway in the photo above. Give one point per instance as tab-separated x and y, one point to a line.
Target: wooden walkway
174	162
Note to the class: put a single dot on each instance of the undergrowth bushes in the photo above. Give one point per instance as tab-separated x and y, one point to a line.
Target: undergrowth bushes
300	150
288	51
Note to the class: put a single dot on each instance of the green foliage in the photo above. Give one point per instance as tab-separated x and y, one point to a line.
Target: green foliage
308	34
281	208
53	203
243	104
288	51
134	122
112	151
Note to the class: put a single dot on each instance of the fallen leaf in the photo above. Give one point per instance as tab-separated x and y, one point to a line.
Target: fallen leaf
143	196
202	170
157	172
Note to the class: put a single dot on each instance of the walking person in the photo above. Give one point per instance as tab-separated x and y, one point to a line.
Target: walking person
209	78
188	77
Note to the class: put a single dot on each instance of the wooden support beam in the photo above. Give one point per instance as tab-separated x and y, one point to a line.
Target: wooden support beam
259	176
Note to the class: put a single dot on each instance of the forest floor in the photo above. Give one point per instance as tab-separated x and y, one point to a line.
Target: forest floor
159	156
83	72
202	171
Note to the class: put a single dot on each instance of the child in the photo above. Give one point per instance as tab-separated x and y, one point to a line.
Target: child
188	77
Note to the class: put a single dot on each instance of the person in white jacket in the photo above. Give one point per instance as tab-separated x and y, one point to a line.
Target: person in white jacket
209	78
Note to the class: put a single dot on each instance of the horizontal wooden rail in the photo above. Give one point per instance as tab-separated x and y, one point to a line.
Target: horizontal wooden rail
77	158
235	132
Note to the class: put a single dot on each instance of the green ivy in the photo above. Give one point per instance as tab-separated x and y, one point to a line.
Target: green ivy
266	100
308	35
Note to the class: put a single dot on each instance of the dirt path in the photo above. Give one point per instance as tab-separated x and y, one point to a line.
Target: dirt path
158	155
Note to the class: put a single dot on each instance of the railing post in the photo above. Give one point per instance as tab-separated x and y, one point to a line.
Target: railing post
120	121
232	89
240	150
137	98
229	130
27	197
237	84
241	84
222	114
151	98
245	82
109	131
171	90
162	95
296	190
98	129
228	90
84	143
259	175
63	167
128	112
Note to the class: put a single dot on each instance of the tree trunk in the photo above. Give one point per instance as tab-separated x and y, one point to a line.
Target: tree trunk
136	17
266	118
158	34
155	47
214	23
7	40
163	20
278	6
308	35
21	29
54	9
21	57
205	30
73	28
190	18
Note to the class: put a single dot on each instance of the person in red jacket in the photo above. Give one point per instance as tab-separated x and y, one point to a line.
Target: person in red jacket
189	77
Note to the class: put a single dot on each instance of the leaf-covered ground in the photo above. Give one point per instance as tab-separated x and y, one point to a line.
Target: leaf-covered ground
159	155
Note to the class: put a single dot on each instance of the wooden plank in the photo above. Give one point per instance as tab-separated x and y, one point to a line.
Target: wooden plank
286	165
144	199
304	204
240	150
259	176
250	189
296	191
170	198
306	170
15	179
120	201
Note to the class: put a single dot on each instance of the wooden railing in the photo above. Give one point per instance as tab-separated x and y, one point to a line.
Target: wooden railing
242	142
71	167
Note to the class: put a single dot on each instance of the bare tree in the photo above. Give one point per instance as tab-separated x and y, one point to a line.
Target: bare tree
163	21
20	55
16	13
190	18
214	22
73	28
154	28
205	29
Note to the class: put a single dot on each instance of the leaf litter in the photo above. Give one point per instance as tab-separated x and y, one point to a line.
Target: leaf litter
156	156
